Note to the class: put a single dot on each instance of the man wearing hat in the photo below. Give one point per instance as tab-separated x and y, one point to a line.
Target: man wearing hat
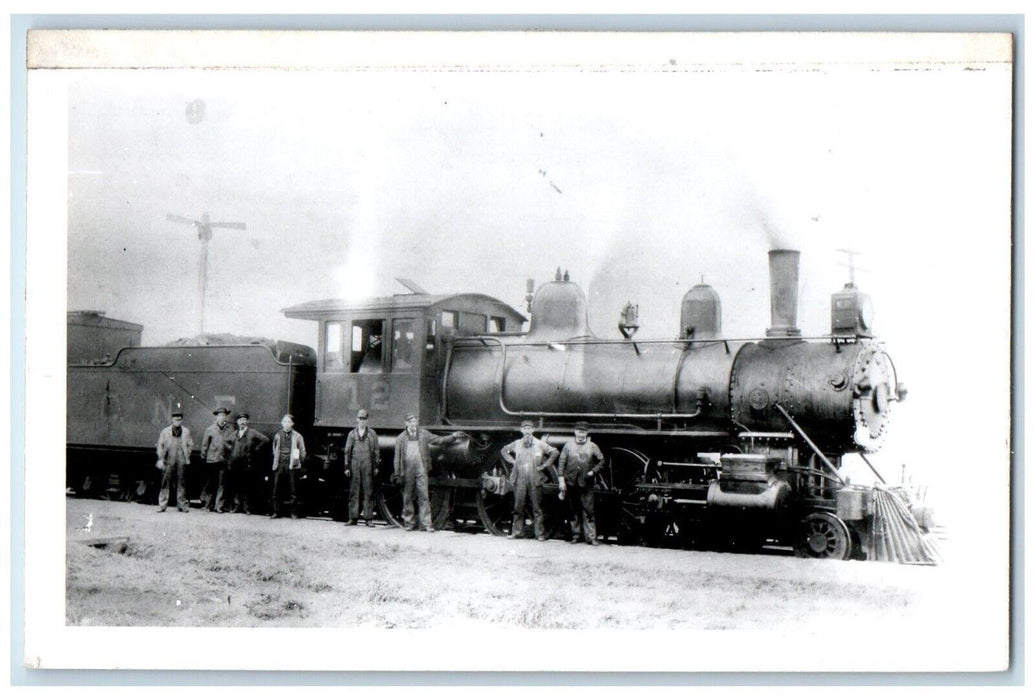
215	450
362	457
174	446
241	473
412	464
581	460
531	460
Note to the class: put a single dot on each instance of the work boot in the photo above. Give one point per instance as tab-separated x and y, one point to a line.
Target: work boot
162	509
594	543
370	523
350	521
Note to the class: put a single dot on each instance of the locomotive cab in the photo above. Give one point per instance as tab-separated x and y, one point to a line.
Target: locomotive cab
385	354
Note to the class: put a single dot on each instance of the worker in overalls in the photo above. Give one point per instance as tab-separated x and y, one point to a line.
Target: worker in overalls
412	464
362	457
530	459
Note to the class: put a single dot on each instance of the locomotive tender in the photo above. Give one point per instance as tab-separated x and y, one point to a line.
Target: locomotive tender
116	407
710	441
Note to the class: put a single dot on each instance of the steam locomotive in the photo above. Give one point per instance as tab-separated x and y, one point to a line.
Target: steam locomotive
709	441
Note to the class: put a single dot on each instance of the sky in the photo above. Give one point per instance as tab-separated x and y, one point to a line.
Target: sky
641	184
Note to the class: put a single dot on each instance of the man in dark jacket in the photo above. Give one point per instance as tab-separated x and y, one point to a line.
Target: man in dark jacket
362	457
581	460
241	473
412	464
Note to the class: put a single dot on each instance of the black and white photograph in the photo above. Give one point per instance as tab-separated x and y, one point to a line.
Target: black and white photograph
673	351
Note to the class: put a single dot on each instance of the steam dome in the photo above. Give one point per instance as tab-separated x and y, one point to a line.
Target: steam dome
701	313
559	312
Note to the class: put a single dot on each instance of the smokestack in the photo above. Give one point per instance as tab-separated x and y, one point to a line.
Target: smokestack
783	293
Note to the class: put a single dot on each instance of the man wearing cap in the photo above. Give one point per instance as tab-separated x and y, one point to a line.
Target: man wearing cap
288	455
580	461
241	473
362	457
531	460
215	450
174	446
412	464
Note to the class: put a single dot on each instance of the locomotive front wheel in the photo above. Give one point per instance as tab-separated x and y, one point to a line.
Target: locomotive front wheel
823	536
390	503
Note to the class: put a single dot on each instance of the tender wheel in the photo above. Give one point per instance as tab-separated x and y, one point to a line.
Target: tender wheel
495	499
390	501
89	485
823	536
146	490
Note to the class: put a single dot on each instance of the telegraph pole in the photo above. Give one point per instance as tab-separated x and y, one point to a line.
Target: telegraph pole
204	227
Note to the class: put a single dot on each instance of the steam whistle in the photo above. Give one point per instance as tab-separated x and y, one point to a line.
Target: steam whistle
629	320
529	295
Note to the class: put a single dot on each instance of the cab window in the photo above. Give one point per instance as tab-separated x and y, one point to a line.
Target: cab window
332	347
367	346
429	343
404	345
472	323
497	324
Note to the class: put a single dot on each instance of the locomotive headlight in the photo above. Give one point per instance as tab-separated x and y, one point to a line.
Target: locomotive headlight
880	398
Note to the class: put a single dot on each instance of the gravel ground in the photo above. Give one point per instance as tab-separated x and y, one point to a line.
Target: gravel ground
204	569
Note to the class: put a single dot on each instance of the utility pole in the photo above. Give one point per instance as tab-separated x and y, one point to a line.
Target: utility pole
852	269
204	227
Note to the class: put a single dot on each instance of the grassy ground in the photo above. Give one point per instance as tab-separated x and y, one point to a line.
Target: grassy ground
204	569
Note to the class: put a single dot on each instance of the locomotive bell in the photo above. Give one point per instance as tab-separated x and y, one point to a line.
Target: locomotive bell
629	320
